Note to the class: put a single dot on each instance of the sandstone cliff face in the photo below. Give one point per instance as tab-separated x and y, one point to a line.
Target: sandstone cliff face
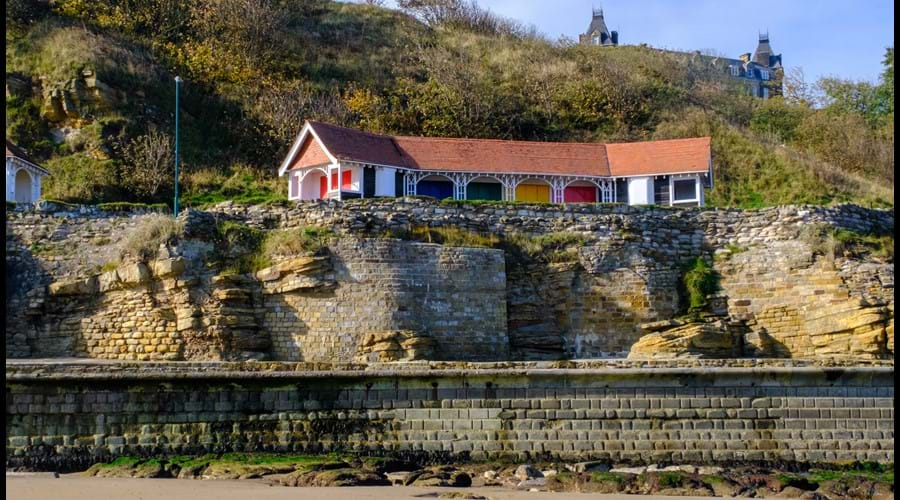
378	299
77	99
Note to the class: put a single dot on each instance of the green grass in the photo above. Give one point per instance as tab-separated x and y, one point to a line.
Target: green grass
307	240
834	242
259	249
129	462
735	249
127	206
446	235
670	479
881	473
602	477
239	184
273	458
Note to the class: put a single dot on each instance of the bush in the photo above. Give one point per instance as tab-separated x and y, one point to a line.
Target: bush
240	235
699	281
143	241
80	178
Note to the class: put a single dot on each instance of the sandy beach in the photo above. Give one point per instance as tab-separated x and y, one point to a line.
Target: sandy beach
73	487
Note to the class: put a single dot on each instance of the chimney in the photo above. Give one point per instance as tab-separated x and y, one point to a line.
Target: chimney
745	57
615	37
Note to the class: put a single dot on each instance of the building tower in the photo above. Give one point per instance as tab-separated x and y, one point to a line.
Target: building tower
597	33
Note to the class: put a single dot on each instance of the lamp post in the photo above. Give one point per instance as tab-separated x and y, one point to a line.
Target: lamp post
177	84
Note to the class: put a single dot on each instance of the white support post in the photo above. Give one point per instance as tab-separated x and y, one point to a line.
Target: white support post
557	190
509	186
460	181
698	185
340	179
410	185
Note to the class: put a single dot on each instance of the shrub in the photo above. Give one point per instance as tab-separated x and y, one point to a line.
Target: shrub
699	281
149	163
236	234
80	178
143	241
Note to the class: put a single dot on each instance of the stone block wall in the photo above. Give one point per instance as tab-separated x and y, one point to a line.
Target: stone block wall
455	296
627	273
60	418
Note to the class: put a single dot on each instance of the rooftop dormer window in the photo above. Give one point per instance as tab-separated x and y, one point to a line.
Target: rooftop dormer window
596	40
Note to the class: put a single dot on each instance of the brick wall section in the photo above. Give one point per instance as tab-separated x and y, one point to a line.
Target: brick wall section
56	419
455	295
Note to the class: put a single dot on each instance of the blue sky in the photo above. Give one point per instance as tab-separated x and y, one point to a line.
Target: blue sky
844	38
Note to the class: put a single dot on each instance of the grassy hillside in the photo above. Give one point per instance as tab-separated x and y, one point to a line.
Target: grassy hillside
91	95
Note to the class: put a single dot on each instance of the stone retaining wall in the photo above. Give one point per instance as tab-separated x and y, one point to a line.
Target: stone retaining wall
60	419
456	297
627	273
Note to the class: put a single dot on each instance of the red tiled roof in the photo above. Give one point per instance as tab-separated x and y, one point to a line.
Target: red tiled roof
524	157
356	145
659	157
489	155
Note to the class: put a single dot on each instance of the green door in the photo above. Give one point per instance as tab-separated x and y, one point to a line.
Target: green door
484	191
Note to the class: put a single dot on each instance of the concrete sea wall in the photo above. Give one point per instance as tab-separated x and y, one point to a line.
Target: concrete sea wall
62	416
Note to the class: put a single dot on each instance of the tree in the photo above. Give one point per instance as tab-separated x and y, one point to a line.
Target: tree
797	90
149	163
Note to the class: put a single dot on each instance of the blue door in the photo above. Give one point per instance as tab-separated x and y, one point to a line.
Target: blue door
437	189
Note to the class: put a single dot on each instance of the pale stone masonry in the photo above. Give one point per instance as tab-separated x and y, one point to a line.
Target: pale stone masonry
456	296
61	416
789	299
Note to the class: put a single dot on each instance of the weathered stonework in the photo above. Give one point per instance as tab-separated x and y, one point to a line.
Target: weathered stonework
455	296
66	417
792	301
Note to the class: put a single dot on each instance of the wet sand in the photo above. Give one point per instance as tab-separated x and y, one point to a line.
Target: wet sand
73	487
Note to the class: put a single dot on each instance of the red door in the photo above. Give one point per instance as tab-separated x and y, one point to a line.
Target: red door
580	194
323	186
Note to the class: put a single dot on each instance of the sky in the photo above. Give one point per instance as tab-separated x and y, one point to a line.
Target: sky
842	38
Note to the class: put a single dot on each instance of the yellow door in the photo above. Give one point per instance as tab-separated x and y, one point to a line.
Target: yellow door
533	193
